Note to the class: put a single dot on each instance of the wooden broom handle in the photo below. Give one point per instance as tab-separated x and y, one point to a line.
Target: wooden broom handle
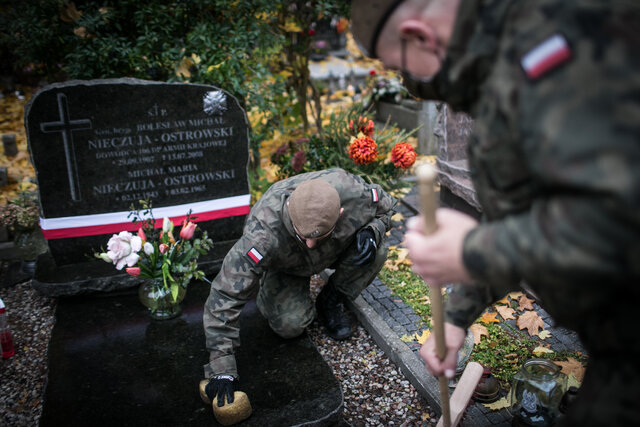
426	179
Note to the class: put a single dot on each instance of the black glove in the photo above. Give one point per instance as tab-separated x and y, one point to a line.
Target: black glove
367	247
221	385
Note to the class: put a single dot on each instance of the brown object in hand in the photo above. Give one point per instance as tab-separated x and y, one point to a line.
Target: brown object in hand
229	413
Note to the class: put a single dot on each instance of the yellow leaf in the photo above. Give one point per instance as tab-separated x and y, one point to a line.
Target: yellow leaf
498	404
539	351
488	317
504	300
291	27
514	295
425	335
407	338
398	217
543	335
573	382
478	331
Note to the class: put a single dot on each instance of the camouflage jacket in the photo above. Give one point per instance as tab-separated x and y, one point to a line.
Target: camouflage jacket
554	89
269	242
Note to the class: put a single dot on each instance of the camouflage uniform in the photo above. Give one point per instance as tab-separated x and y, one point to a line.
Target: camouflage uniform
270	262
555	159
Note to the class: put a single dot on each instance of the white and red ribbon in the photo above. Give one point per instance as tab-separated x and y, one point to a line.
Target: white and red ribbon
115	222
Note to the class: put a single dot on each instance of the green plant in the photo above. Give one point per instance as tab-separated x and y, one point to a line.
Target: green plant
21	213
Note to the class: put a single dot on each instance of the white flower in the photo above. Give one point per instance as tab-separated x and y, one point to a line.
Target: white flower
123	249
148	248
167	225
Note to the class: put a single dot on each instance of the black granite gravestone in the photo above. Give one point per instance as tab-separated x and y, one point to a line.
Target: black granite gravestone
110	365
98	146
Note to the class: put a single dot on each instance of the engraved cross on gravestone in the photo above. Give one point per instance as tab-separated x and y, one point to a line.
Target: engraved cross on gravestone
66	126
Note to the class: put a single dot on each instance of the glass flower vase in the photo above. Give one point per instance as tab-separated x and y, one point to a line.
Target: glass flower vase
159	301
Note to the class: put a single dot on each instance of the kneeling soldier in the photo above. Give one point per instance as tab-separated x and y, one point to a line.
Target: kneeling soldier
301	226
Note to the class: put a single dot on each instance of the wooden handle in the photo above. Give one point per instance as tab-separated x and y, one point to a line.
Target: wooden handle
426	180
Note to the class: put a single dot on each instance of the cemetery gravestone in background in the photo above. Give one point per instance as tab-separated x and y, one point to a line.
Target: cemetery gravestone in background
98	146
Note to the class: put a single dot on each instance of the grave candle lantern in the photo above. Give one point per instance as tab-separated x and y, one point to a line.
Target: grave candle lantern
536	393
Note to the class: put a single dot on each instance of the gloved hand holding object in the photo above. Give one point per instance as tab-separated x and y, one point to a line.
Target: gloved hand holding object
367	247
222	386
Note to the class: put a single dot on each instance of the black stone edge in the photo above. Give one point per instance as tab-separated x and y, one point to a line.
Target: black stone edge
406	359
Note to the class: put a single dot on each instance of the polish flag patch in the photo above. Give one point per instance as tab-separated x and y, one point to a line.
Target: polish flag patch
374	195
255	255
546	56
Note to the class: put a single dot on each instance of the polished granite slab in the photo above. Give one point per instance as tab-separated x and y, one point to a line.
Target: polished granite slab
110	364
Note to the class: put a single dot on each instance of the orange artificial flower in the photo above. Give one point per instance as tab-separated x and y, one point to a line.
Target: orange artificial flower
403	155
363	150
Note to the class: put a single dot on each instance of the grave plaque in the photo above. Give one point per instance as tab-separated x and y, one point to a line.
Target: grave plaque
98	146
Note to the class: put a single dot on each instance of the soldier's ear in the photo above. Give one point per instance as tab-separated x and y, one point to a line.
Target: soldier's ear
341	210
419	33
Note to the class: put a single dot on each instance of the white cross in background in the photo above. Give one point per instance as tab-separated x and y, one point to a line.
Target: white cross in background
66	126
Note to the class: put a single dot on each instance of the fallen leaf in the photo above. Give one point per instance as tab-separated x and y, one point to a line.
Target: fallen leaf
514	295
573	382
498	404
539	351
525	303
504	300
425	336
407	338
398	217
530	321
572	367
505	312
478	331
543	335
489	318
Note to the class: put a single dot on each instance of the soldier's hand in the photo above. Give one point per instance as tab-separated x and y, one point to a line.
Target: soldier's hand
454	338
221	386
366	246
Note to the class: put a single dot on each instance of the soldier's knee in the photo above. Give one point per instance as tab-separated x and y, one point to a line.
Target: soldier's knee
290	327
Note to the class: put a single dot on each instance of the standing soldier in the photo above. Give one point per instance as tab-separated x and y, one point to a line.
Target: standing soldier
300	227
554	88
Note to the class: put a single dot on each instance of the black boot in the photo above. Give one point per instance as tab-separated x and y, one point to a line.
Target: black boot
331	315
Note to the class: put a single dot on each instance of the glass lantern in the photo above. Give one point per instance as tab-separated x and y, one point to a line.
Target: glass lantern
536	392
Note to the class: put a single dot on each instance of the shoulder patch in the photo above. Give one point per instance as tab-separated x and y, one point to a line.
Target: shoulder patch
374	195
546	56
255	255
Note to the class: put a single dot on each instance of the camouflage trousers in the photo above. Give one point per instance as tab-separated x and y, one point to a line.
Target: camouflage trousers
285	300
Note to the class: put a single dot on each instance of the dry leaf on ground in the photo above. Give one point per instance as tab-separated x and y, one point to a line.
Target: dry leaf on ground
572	367
530	321
425	336
498	404
505	312
539	351
543	335
525	303
488	317
478	331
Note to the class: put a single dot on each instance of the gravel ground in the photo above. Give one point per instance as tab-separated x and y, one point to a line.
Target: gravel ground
375	392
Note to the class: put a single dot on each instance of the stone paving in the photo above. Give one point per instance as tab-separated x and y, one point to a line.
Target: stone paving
388	318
